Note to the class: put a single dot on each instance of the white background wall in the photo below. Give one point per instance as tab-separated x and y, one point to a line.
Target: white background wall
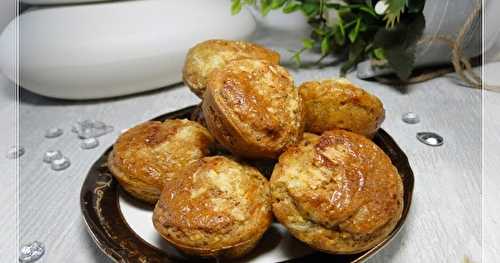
7	10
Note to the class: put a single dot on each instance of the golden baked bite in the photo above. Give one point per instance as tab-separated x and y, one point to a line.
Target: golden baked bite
203	58
149	154
216	208
253	109
339	104
337	192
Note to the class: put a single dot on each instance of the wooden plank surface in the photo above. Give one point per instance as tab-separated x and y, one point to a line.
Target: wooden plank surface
444	224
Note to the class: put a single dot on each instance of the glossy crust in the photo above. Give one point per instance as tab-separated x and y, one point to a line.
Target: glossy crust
339	104
203	58
253	109
147	155
218	207
337	192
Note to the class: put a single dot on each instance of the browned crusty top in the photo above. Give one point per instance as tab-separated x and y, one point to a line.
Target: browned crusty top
340	104
216	202
252	104
342	182
203	58
155	151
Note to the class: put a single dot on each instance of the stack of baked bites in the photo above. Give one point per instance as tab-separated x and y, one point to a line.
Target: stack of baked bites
331	186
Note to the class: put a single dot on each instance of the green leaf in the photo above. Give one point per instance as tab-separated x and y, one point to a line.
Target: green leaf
392	37
319	31
351	23
292	6
354	33
310	8
325	45
415	29
356	1
415	6
368	47
399	43
265	7
275	4
338	35
356	50
249	2
356	53
368	10
393	12
402	61
344	9
402	35
391	19
235	7
396	5
363	27
308	43
341	25
378	53
333	5
296	58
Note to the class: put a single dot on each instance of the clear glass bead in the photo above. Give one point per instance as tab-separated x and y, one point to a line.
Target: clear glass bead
60	164
52	155
15	152
430	138
31	252
91	128
410	118
53	133
89	143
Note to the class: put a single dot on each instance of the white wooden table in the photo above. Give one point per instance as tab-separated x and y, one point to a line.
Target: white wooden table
445	220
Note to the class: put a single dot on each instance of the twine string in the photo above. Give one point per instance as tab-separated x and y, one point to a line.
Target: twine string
461	64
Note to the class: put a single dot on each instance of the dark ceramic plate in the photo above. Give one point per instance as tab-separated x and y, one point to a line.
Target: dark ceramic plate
100	206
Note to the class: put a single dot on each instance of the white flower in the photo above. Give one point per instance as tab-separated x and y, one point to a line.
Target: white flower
381	7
